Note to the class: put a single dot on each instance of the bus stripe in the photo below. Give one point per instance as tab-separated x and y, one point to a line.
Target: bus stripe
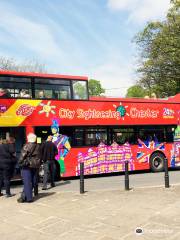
11	118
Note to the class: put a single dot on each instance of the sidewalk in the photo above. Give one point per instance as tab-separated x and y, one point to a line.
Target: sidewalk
96	215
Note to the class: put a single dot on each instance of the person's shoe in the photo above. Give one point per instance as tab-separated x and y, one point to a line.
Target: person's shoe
29	201
9	195
35	191
1	194
53	185
21	200
44	188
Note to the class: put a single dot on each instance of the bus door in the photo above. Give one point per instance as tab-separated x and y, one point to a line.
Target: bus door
42	133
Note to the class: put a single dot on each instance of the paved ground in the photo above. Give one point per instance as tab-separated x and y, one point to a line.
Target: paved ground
140	179
106	214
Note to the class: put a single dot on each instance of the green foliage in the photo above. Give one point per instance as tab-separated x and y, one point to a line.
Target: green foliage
159	48
80	90
95	88
136	91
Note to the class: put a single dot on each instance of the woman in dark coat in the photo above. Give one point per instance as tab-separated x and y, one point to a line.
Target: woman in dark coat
29	162
7	163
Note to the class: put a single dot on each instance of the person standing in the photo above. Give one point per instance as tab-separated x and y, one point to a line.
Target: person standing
29	162
48	152
4	93
7	162
11	141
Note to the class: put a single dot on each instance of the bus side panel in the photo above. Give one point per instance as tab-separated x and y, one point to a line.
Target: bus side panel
71	160
71	163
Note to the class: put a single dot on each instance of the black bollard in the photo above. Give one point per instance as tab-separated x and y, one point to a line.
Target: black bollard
166	175
126	176
81	177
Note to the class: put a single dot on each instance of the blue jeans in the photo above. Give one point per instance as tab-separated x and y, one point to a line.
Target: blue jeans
30	181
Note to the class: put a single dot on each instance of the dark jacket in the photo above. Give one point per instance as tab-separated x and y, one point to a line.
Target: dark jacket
32	150
48	151
7	154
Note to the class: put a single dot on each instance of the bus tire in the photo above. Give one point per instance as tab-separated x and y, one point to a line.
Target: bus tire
157	162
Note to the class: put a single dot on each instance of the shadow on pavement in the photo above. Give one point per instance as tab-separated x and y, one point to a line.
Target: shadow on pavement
44	194
62	182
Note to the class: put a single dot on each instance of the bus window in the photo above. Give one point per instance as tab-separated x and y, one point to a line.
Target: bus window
93	136
40	94
80	90
62	92
78	139
52	88
155	134
43	93
4	93
123	135
14	85
170	134
25	93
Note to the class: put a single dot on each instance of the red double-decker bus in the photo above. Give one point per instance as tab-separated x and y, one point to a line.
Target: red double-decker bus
102	132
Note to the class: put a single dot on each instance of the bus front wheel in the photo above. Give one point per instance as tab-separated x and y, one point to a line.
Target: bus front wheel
157	162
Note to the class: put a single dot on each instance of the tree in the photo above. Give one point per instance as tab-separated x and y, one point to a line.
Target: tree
136	91
28	66
80	91
95	88
159	48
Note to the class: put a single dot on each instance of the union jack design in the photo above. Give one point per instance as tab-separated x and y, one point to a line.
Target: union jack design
145	149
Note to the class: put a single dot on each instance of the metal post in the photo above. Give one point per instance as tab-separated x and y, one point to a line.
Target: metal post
126	176
166	176
81	177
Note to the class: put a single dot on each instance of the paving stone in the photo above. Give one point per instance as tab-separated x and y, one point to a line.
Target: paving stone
97	215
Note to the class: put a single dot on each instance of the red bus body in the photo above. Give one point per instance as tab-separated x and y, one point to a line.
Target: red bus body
32	113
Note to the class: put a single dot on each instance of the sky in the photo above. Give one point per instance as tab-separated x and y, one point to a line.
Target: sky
90	38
